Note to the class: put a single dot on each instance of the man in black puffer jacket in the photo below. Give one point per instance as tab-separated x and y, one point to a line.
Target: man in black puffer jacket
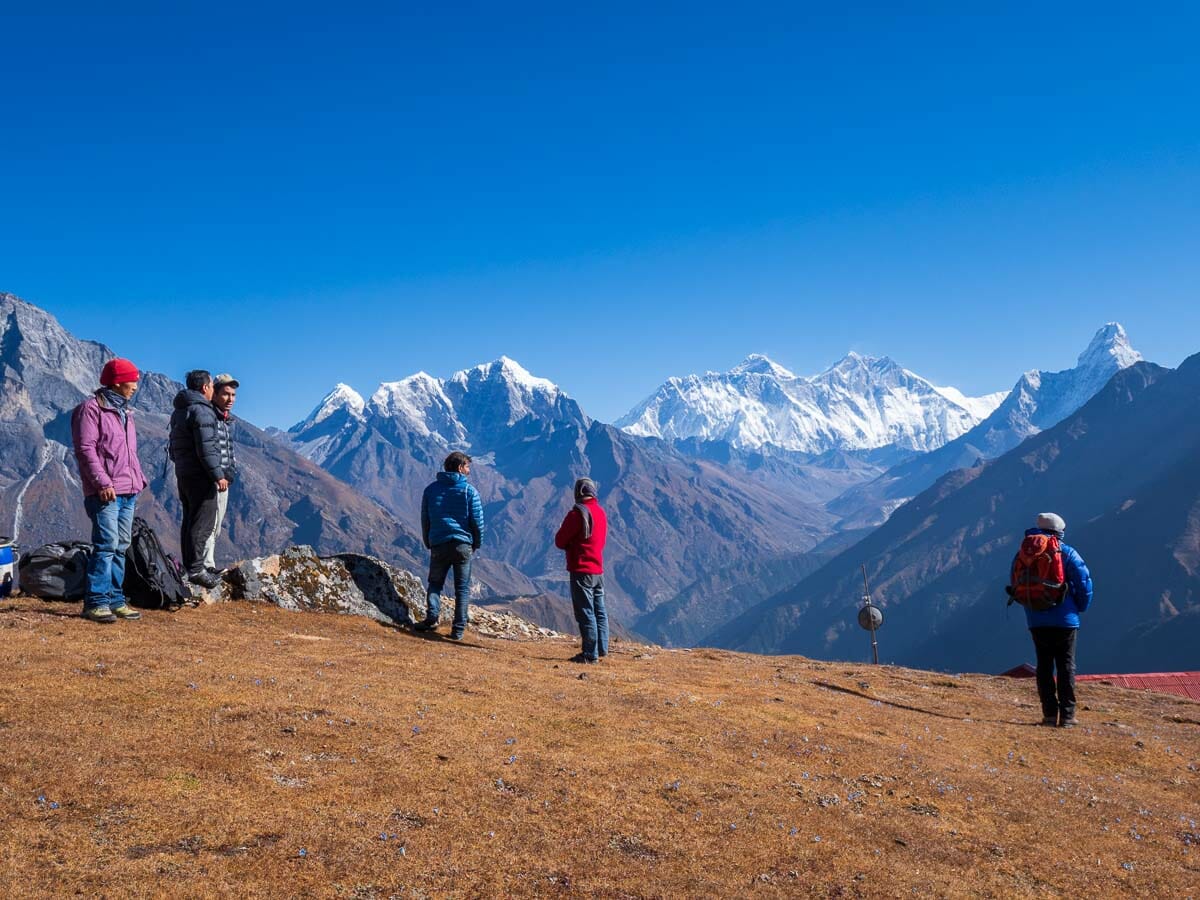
195	449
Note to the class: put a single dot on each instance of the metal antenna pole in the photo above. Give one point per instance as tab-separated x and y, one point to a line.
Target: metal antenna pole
871	618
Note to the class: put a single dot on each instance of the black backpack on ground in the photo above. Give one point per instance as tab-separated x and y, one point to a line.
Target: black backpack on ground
56	571
153	578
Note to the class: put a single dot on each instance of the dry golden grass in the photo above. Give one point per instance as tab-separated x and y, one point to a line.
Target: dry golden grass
243	750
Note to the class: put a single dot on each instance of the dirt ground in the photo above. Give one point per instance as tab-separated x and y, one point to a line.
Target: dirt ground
241	750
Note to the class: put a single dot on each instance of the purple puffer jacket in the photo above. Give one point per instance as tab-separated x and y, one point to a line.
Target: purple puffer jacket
106	451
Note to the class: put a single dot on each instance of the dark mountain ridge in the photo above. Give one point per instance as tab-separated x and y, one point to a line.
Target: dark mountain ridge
1122	472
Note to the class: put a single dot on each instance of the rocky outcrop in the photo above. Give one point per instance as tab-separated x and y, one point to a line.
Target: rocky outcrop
352	584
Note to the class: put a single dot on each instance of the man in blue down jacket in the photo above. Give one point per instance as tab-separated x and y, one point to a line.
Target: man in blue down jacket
452	528
1054	630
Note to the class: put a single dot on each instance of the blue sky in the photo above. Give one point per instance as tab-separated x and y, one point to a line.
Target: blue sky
305	194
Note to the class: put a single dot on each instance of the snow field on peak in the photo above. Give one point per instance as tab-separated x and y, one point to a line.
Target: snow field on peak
860	402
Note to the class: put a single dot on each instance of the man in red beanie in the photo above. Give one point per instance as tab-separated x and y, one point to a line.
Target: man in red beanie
105	441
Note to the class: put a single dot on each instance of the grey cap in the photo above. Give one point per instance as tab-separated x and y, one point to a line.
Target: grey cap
225	379
584	488
1051	522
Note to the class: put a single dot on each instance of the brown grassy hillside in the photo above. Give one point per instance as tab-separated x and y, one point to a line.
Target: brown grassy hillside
243	750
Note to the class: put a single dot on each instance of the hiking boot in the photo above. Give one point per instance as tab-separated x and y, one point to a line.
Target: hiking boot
100	614
215	571
125	611
1067	722
1049	721
204	579
427	625
580	658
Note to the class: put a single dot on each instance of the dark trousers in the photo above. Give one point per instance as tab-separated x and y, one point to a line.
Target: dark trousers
442	559
587	596
1055	651
199	499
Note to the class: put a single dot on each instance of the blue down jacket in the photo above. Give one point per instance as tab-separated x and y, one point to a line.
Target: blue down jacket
451	512
1079	592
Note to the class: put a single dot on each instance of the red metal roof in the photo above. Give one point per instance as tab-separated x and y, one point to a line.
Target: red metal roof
1185	684
1024	670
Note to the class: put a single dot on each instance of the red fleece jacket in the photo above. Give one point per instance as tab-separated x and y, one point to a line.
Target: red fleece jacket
585	557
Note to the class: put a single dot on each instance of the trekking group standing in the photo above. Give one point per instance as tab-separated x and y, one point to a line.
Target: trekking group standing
201	445
452	529
1048	577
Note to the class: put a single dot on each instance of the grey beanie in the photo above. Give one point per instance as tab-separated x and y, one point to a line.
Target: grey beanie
584	488
1051	522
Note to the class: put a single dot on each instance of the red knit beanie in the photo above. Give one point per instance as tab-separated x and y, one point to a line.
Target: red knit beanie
118	371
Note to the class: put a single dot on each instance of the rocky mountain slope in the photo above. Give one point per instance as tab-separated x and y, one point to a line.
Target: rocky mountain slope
860	403
1121	470
673	516
280	499
1038	401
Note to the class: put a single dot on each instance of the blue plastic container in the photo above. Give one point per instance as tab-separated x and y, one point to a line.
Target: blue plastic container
7	558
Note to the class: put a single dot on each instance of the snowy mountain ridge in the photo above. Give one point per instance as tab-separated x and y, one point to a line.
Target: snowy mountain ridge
859	403
455	410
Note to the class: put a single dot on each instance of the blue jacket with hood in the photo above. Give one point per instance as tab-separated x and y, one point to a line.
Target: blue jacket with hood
1079	591
451	512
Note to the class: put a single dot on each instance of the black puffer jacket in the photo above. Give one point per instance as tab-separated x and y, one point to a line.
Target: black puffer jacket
196	438
225	442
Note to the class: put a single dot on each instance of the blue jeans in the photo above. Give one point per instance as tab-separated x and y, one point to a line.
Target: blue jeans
443	558
112	530
587	596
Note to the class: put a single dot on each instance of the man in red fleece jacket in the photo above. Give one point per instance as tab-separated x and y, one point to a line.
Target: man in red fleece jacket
582	535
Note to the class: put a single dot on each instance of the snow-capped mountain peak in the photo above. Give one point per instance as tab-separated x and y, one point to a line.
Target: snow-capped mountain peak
758	364
857	368
472	404
507	370
411	399
1109	350
342	397
860	402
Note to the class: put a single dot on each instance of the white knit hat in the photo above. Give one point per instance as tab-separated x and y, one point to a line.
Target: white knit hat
1051	522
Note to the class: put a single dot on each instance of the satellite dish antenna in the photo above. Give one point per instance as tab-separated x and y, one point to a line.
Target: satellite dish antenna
870	617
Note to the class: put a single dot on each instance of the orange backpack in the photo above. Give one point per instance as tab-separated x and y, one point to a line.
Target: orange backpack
1037	580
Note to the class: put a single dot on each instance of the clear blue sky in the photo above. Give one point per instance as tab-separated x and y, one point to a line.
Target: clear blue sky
311	193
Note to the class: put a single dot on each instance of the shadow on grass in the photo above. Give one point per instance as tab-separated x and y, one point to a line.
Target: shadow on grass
433	636
917	709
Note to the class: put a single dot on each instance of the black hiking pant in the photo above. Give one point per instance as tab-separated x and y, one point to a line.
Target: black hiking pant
1055	649
199	500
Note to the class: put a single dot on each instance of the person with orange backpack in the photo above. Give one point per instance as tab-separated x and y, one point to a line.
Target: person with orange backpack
1051	580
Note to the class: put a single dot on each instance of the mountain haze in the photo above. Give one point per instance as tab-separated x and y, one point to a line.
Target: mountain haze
1121	470
1038	401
